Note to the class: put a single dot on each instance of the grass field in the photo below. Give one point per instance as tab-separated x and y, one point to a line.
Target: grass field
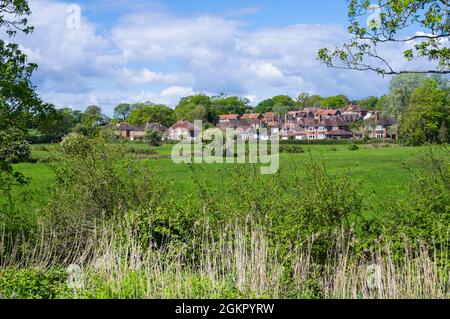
379	168
232	243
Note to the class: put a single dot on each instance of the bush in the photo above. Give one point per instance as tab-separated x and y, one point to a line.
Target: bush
13	146
96	182
75	144
153	138
294	149
32	283
425	215
353	147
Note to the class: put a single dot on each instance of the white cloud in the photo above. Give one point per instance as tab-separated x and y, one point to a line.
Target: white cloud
177	92
145	76
161	58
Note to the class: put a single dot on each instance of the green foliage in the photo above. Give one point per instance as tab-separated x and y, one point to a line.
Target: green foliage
13	146
279	104
143	113
97	181
195	107
32	283
122	110
294	149
368	103
75	144
353	147
229	105
397	19
18	101
153	137
305	100
265	106
338	101
425	215
55	124
428	115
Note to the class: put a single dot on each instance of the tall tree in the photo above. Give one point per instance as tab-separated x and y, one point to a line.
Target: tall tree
151	113
265	106
229	105
368	103
396	23
427	116
18	100
337	101
122	111
195	107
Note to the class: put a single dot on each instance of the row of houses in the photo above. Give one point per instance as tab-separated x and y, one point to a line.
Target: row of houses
304	124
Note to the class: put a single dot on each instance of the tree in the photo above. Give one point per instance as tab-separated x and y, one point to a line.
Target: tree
303	99
368	103
18	100
58	123
92	116
400	90
122	110
229	105
428	113
337	101
265	106
396	24
280	109
284	100
151	113
195	107
153	137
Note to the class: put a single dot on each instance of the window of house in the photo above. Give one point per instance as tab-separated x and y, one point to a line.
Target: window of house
380	128
311	136
368	128
311	128
321	128
380	135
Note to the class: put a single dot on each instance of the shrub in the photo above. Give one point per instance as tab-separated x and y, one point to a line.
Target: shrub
153	137
13	146
425	215
75	144
353	147
97	181
32	283
294	149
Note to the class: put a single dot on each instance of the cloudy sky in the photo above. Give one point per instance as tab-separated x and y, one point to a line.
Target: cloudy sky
160	50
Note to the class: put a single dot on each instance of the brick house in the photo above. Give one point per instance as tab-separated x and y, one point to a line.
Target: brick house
377	126
182	130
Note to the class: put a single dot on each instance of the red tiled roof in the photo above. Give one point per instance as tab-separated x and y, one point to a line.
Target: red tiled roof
339	133
186	125
327	112
228	117
251	116
353	108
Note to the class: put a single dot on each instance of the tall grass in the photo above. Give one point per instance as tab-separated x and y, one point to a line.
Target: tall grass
241	263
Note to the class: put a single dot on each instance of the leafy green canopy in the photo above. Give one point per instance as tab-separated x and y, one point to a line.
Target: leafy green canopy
18	100
395	24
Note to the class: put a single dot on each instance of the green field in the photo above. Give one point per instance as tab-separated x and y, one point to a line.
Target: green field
381	169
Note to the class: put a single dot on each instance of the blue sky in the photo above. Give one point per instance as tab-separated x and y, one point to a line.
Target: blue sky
133	51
